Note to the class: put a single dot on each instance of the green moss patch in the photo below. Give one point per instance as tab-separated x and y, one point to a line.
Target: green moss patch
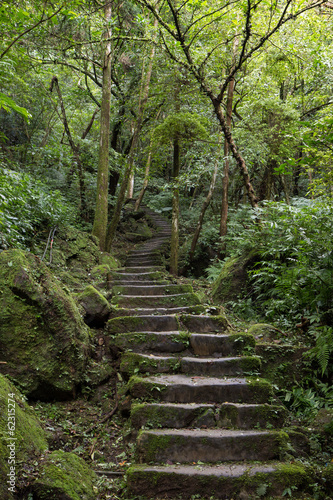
43	338
66	476
30	438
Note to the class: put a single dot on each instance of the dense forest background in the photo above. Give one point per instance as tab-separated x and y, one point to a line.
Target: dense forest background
216	114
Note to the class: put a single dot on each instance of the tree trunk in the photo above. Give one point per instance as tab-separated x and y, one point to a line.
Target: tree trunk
75	149
101	211
175	210
232	146
205	204
225	182
122	193
145	182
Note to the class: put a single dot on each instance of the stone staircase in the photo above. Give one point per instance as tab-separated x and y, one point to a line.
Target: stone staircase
205	423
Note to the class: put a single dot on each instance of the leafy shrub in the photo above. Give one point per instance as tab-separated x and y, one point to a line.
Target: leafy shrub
25	206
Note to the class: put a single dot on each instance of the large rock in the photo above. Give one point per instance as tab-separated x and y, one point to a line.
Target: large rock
22	438
43	338
64	476
97	309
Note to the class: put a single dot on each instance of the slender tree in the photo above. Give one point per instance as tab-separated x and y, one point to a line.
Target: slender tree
101	210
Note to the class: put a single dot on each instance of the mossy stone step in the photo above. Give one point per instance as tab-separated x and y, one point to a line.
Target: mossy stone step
221	345
209	445
225	481
122	283
205	324
140	269
165	323
170	415
141	261
140	311
148	290
248	416
147	363
170	342
208	345
151	301
186	389
140	276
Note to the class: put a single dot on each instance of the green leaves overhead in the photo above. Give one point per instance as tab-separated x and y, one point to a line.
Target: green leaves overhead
9	105
186	126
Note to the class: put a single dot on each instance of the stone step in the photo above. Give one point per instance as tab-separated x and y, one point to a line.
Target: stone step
224	481
165	323
176	416
132	362
140	269
227	415
203	344
170	342
209	445
149	290
196	389
120	276
128	283
140	262
152	301
249	416
139	311
205	324
217	344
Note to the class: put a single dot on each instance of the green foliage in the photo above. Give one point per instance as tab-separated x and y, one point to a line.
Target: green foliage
294	276
9	105
186	126
25	206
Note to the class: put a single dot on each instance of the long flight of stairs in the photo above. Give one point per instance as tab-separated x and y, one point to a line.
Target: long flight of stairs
205	423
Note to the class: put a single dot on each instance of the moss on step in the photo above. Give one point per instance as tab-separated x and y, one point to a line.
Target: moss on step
272	483
185	299
66	476
123	324
250	364
261	389
132	363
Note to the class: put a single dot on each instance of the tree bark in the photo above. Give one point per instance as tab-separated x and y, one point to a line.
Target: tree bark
101	210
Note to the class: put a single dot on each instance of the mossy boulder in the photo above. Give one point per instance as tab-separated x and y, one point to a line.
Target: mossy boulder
30	438
43	339
107	259
233	277
96	307
64	476
263	331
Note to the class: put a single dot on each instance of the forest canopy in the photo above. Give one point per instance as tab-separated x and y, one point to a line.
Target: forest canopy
218	115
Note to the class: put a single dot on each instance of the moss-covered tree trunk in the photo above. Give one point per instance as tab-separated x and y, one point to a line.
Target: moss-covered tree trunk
101	210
